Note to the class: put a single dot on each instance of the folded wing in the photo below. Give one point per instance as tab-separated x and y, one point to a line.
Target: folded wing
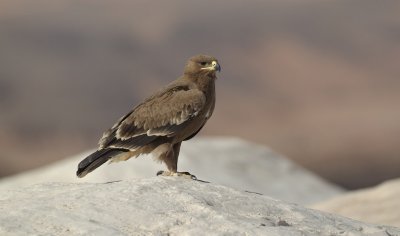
165	114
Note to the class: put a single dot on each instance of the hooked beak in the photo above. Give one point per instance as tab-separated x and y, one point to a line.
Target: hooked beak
216	66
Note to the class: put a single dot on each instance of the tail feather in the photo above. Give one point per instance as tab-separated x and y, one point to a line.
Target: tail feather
96	159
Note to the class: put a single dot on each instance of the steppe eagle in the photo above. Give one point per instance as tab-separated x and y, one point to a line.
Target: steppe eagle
160	123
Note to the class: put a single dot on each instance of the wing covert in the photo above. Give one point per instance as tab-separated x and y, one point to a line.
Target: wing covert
163	114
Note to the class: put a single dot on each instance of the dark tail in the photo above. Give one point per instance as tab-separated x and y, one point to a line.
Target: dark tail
95	160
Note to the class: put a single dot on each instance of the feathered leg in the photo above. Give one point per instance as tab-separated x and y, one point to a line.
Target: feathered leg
170	158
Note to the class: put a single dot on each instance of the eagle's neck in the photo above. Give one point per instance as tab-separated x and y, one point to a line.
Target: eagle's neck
205	83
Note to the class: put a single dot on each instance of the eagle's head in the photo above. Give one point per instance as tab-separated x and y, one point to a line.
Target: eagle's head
202	64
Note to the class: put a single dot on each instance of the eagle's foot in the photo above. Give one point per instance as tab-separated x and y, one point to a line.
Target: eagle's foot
180	174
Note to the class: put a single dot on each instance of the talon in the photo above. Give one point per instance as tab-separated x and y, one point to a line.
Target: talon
165	173
183	173
179	174
187	175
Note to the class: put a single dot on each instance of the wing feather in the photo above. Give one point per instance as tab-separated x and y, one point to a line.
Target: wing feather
164	114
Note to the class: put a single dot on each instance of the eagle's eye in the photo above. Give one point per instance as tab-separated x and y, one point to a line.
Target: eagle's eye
203	63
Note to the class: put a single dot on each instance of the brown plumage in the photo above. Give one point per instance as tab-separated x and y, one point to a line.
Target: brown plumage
159	124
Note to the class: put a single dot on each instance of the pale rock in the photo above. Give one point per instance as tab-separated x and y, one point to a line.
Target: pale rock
223	160
380	204
163	206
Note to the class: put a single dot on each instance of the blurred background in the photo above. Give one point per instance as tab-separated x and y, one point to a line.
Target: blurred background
316	80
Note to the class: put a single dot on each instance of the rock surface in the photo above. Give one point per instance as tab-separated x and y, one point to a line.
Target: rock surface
163	206
380	205
229	161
